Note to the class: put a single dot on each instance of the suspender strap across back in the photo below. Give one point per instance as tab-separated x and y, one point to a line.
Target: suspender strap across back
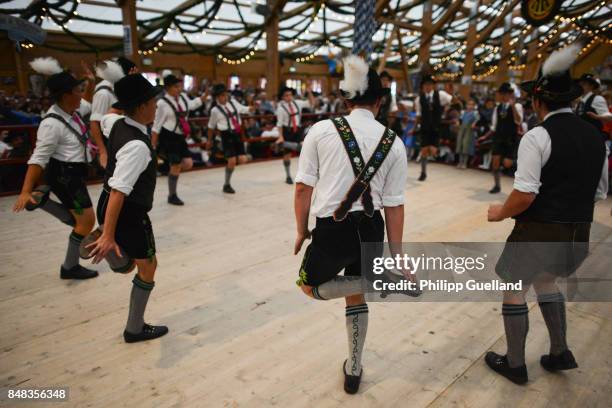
104	88
363	171
81	137
177	114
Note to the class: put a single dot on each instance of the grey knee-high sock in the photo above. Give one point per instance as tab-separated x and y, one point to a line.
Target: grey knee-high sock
339	287
287	165
295	146
356	329
172	182
59	211
72	253
228	175
553	311
424	165
138	303
496	177
516	324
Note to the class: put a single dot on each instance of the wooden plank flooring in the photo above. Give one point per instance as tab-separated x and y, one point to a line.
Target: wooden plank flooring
241	333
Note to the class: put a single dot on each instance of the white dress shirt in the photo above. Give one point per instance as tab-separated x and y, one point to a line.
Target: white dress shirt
599	104
131	160
164	115
517	106
54	140
325	165
445	99
219	121
533	153
102	100
282	116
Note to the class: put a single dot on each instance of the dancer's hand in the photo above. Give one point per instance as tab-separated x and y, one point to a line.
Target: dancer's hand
23	199
280	140
495	213
102	246
299	241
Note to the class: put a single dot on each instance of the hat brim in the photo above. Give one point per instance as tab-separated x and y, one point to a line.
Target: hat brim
378	93
172	81
145	97
591	81
575	92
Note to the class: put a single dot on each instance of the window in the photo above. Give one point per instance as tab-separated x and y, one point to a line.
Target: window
263	81
152	77
295	84
188	82
234	82
316	85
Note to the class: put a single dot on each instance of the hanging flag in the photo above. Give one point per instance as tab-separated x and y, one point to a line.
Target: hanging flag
364	27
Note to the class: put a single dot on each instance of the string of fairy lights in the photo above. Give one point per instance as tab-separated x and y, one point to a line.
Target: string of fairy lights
576	20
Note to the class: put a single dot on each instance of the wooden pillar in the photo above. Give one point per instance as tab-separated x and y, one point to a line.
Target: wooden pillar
502	68
404	61
22	83
532	61
426	25
273	69
468	62
130	31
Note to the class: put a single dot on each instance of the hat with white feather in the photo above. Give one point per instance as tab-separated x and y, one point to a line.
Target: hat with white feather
361	83
554	82
59	81
110	71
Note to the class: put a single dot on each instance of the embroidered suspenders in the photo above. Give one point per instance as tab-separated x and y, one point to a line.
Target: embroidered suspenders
227	117
363	171
83	138
177	114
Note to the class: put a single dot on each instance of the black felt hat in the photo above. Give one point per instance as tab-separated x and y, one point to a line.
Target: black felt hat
360	83
385	74
505	88
133	90
427	78
590	78
126	64
218	89
62	82
284	89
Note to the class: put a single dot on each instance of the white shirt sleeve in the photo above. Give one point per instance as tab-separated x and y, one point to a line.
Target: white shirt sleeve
160	117
600	106
47	138
132	159
281	116
602	187
445	98
214	118
393	104
494	119
395	181
308	164
193	104
519	110
533	153
242	109
84	108
102	101
303	104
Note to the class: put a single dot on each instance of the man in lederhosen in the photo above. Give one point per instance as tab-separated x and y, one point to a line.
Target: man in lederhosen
110	71
225	119
429	110
592	107
171	128
127	198
348	210
561	172
289	124
505	125
61	152
388	104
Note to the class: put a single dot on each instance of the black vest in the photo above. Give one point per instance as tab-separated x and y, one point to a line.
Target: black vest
431	113
571	175
585	107
142	194
505	129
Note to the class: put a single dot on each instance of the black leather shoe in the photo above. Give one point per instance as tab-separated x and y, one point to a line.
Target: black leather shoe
495	190
174	200
499	364
423	177
77	272
563	361
228	189
148	333
41	195
289	180
351	382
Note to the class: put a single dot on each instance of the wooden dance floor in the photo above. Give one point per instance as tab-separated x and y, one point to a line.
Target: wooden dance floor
242	334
